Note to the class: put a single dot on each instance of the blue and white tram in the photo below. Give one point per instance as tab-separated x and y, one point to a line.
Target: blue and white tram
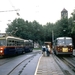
28	46
10	45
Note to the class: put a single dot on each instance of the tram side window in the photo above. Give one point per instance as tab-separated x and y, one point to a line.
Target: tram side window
26	44
21	43
10	43
18	43
15	43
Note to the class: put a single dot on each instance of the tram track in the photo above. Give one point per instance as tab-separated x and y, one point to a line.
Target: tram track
18	64
27	59
69	63
6	60
67	67
10	58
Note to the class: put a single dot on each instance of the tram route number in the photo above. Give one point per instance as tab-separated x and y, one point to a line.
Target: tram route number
64	49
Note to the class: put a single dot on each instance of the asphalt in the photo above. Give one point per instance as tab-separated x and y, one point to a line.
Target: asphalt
48	66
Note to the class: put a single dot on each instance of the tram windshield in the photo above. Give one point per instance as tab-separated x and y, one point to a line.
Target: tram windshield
2	42
64	42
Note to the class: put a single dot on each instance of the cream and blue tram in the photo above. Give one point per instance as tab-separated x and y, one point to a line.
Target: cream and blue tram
63	45
28	46
10	45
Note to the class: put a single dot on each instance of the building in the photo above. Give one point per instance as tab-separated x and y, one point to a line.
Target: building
64	13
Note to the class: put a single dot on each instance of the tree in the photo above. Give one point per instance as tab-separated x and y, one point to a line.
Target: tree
37	31
16	28
61	28
73	26
48	31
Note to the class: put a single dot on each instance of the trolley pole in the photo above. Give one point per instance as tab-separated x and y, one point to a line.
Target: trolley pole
52	38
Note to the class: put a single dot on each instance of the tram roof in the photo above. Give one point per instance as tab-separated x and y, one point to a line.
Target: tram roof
10	37
28	40
25	40
64	37
47	42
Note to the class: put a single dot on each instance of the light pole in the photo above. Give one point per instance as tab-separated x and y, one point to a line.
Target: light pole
64	36
52	38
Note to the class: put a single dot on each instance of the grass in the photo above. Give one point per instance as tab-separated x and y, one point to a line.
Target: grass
37	48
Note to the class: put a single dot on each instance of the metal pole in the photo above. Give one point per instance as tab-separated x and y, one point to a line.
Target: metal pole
52	38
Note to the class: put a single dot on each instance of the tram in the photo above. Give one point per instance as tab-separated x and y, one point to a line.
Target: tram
28	46
63	45
10	45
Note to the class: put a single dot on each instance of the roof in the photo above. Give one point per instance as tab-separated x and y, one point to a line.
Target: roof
64	10
11	37
47	42
64	37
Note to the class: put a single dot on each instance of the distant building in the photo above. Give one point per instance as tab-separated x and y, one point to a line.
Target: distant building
64	13
36	45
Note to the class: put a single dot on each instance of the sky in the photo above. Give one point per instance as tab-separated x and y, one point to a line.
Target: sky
42	11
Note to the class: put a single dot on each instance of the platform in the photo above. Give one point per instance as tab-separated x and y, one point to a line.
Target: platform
48	66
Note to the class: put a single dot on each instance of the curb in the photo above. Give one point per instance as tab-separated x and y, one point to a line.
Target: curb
37	65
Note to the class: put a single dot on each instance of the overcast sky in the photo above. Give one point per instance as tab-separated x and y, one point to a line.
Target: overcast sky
42	11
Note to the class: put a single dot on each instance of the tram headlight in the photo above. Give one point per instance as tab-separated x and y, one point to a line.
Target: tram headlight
1	51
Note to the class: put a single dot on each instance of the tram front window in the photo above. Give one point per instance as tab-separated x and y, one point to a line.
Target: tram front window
68	41
65	42
60	42
2	42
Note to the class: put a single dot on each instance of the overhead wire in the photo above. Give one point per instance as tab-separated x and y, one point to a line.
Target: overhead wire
14	8
11	4
10	10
